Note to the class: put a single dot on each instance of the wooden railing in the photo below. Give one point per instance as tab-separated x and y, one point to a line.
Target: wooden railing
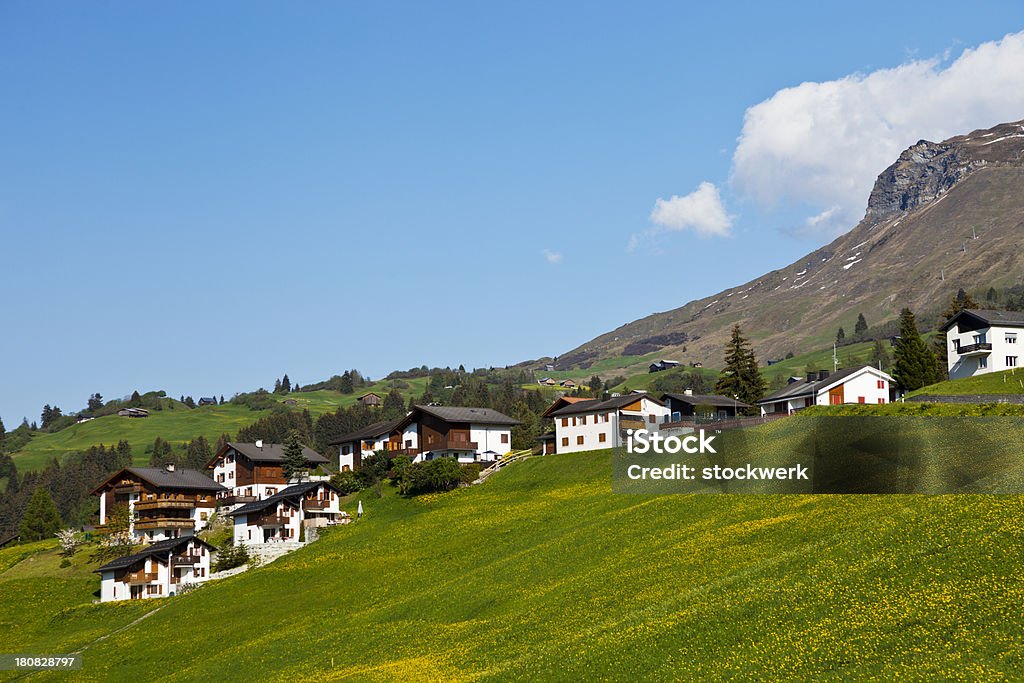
973	348
162	503
316	504
139	577
184	560
165	523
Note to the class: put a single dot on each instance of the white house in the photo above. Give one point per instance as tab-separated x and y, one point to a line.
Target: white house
866	385
355	446
253	471
594	424
157	571
983	341
281	516
163	502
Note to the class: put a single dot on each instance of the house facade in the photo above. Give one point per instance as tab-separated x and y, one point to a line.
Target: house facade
280	517
163	502
688	406
979	342
253	471
158	571
596	424
662	365
371	400
865	385
355	446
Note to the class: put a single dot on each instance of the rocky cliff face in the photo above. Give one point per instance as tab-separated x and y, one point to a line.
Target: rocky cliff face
945	215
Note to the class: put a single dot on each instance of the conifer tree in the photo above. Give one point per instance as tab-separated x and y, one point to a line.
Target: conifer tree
294	461
916	365
41	519
741	378
840	336
860	327
286	384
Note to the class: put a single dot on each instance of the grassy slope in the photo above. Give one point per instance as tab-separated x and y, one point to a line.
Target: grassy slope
543	572
180	425
1006	382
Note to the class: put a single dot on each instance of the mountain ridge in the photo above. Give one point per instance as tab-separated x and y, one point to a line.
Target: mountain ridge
943	216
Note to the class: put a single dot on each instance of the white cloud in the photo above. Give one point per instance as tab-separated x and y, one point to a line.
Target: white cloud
701	211
552	256
823	144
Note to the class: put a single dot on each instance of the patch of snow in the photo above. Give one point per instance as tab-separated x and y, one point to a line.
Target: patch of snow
1005	137
847	266
802	273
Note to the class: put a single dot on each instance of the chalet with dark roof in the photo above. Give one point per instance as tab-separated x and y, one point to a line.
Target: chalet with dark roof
252	471
165	502
688	405
157	571
979	342
280	517
596	424
866	385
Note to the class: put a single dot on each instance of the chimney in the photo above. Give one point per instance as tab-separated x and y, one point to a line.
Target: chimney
688	392
169	467
823	374
259	444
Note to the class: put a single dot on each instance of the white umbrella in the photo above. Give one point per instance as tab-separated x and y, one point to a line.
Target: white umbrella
359	510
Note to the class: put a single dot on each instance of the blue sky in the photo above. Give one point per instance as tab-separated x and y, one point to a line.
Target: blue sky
200	197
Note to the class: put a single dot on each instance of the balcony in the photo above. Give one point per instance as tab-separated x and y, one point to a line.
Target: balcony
631	424
164	523
124	489
316	504
978	349
235	500
139	577
270	520
451	445
163	504
184	560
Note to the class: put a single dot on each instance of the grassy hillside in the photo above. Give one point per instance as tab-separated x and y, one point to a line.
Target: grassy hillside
542	572
182	424
1006	382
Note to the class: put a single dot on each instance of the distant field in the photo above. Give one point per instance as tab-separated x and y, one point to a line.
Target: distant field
543	573
181	425
1006	382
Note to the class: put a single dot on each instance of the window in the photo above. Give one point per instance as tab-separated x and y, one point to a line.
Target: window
606	416
565	422
565	441
979	338
345	450
982	363
860	399
583	420
1011	338
1011	361
231	475
881	401
408	443
652	419
202	516
601	437
881	384
579	440
504	438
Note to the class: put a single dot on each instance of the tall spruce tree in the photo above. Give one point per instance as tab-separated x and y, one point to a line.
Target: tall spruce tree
294	462
916	365
41	519
861	327
741	378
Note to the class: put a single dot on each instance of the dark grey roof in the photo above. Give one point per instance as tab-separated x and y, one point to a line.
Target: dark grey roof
371	431
274	452
290	494
162	478
609	404
706	400
463	414
1008	318
806	388
160	549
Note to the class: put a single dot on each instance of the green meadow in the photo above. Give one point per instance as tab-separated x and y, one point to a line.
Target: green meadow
542	573
1005	382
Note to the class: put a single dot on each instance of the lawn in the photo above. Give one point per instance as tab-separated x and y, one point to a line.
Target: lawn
1006	382
543	573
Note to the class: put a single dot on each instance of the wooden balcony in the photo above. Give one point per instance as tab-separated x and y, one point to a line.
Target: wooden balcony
270	520
139	577
979	349
451	445
235	500
165	504
184	560
165	523
123	489
632	424
316	504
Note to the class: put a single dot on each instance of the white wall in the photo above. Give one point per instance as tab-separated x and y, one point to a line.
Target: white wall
489	438
862	384
590	426
996	361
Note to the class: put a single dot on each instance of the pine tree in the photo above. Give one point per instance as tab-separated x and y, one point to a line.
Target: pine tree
916	365
346	384
41	519
861	327
162	453
595	386
741	378
286	384
840	336
879	356
136	400
394	405
277	386
294	460
222	399
3	435
95	402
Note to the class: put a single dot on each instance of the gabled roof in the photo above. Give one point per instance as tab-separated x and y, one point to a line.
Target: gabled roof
465	414
813	388
1002	318
289	495
158	551
706	400
270	452
368	393
371	431
595	405
561	402
165	479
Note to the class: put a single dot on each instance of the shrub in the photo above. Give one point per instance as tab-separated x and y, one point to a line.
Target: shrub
346	482
65	563
440	474
231	557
